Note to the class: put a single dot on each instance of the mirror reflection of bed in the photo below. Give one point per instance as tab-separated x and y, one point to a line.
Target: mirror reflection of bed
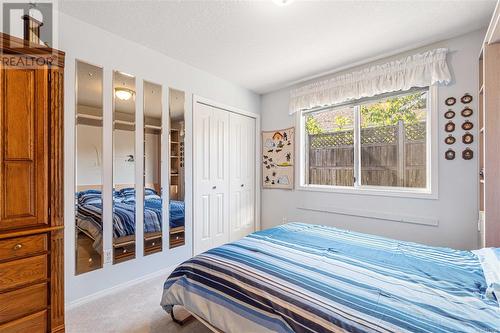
153	188
124	166
159	145
177	174
88	204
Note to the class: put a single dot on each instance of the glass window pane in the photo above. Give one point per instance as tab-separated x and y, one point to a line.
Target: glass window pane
329	137
393	141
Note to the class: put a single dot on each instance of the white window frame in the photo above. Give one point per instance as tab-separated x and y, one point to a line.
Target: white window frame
432	146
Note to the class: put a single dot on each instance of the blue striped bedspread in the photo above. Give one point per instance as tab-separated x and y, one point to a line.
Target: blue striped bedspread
89	215
309	278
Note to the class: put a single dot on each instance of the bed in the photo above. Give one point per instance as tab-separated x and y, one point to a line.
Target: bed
89	214
309	278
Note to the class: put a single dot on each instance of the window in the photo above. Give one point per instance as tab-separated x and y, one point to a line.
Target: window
380	144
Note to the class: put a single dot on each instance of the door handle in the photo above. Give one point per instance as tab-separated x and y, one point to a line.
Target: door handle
242	185
214	187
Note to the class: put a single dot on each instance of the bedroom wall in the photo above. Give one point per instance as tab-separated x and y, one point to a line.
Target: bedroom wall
98	47
456	209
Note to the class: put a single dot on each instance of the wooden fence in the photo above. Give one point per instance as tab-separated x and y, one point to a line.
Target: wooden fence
390	156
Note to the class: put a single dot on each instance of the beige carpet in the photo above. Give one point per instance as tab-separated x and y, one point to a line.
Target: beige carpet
135	309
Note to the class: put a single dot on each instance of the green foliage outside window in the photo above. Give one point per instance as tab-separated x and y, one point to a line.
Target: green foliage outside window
312	126
392	110
408	108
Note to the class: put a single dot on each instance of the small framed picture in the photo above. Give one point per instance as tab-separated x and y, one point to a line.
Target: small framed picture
467	125
467	112
450	101
449	114
450	140
449	127
450	154
466	99
467	138
468	154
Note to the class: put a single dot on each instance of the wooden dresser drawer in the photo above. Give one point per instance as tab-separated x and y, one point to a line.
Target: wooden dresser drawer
20	302
22	246
23	271
35	323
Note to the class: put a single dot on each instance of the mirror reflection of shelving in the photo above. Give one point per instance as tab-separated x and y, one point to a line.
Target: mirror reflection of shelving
177	190
153	182
88	171
124	192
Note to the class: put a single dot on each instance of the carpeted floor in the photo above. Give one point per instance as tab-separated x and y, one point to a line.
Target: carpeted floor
134	310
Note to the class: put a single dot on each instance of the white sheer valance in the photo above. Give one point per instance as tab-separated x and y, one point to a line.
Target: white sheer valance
419	70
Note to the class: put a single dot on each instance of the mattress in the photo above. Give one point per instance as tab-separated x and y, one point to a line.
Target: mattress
309	278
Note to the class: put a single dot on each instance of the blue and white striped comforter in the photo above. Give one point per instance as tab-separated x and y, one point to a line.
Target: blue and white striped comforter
309	278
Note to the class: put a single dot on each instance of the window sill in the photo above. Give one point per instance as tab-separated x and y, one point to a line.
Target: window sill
372	191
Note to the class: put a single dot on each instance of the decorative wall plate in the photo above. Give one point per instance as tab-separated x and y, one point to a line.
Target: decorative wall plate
450	101
449	127
450	154
467	138
466	99
449	114
468	154
450	140
467	112
467	125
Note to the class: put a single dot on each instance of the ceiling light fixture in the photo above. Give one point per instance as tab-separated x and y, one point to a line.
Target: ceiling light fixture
282	2
124	94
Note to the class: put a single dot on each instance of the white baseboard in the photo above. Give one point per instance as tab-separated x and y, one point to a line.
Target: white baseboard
117	288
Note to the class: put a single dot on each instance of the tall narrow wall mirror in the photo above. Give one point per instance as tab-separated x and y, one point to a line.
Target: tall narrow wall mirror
177	168
124	198
88	168
153	182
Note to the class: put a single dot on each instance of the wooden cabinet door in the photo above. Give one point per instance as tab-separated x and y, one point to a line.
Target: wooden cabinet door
23	147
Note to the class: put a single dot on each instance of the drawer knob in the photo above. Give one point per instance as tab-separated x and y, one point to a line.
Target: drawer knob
17	247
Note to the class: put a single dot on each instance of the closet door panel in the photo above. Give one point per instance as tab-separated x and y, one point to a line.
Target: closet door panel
24	146
242	169
248	224
220	176
203	188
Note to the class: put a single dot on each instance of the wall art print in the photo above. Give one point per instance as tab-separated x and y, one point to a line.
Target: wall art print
278	157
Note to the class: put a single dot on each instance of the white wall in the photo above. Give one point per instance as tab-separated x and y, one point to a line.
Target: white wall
456	209
98	47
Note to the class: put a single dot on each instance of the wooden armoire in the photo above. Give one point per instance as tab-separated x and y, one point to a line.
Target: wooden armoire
31	187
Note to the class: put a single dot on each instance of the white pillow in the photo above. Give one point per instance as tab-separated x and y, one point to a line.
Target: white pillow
490	262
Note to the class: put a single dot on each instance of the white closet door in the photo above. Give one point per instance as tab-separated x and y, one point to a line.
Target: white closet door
242	175
211	179
219	141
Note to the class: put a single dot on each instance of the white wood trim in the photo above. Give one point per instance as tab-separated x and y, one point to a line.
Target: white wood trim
107	165
139	167
429	221
493	32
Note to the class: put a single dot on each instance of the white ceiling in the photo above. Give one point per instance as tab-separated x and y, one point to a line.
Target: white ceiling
263	47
